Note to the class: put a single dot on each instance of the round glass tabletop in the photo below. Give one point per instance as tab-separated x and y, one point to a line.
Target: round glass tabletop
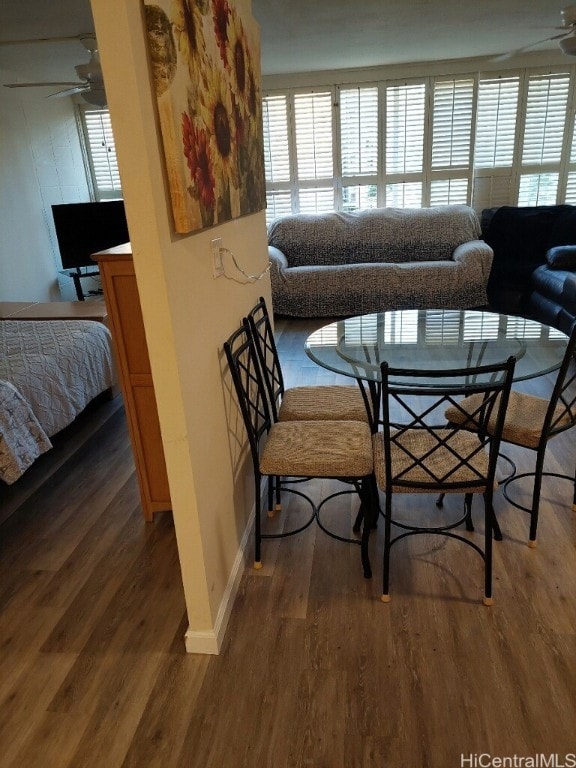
435	339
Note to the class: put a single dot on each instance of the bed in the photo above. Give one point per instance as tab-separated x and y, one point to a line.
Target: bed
49	372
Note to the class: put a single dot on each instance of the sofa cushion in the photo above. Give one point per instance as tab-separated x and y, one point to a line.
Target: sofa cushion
520	238
563	231
561	257
390	235
556	284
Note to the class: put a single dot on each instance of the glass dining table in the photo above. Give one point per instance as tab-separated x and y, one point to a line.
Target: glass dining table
434	339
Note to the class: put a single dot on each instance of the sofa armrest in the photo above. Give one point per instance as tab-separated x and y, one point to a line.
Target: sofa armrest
475	253
277	257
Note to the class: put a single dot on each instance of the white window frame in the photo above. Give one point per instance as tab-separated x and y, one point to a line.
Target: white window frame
486	186
104	182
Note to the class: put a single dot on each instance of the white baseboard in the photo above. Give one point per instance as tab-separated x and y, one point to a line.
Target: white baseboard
210	641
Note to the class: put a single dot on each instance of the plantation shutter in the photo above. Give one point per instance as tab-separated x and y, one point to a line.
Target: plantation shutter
359	147
101	152
570	196
546	106
314	151
495	141
451	141
452	127
276	156
359	131
405	124
313	123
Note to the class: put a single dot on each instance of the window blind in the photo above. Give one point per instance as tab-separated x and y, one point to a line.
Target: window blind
101	152
313	133
359	131
545	118
496	122
276	154
452	123
546	105
405	114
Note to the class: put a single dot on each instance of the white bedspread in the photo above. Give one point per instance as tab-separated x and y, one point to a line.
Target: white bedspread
22	439
56	367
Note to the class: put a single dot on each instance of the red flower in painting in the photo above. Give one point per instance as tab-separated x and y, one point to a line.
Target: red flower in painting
221	17
197	154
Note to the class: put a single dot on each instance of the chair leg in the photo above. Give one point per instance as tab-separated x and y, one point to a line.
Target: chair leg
468	510
369	504
495	525
366	504
373	517
488	515
536	498
493	519
359	517
386	567
257	522
274	488
271	487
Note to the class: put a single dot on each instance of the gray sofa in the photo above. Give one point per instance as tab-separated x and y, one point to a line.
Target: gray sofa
341	264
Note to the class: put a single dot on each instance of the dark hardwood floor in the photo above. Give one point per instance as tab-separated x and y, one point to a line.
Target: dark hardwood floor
315	670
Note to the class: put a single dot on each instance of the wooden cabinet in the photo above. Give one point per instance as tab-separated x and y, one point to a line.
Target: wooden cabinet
125	323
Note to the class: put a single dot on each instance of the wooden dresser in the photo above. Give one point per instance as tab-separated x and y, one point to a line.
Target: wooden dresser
127	328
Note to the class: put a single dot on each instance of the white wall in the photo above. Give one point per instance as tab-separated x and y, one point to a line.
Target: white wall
187	316
420	69
41	162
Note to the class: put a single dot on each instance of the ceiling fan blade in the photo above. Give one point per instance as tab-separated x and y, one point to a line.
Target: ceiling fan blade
509	55
40	85
71	91
44	40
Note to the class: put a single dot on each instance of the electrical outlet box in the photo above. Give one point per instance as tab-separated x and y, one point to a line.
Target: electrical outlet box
216	250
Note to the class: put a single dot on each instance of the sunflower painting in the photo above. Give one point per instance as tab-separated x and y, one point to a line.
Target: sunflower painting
205	63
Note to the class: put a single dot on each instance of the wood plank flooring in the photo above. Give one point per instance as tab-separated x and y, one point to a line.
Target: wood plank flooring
315	670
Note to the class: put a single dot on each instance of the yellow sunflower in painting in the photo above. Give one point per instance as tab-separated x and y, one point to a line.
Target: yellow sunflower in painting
186	17
221	13
239	58
217	113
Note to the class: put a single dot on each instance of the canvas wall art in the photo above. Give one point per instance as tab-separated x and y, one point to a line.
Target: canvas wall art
205	63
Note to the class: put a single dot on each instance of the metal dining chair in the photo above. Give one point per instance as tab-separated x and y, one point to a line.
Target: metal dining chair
333	449
305	403
416	452
530	423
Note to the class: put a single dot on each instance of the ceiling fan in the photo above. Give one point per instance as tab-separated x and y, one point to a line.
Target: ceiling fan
91	84
566	38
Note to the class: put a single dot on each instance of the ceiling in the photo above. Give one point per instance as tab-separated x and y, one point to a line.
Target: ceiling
300	36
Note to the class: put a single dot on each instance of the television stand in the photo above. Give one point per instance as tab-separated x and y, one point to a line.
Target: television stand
77	275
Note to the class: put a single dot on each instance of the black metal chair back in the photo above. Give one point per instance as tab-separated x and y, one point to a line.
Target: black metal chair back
418	452
249	385
560	416
285	451
267	351
561	413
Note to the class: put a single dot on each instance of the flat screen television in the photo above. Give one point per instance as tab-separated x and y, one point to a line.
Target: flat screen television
86	228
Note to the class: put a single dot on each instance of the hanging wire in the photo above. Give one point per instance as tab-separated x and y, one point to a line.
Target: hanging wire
250	278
